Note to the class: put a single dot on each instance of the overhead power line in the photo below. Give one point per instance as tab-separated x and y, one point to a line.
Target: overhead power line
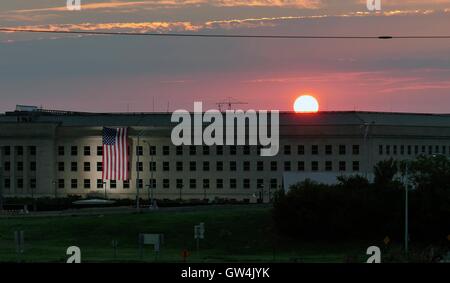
226	35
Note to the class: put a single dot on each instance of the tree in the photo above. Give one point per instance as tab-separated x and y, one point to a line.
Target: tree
384	172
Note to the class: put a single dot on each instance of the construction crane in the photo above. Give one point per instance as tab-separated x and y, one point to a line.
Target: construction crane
229	102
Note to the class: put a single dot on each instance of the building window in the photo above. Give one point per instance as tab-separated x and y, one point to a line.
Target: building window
260	183
7	150
287	166
32	166
152	166
233	183
99	166
74	183
139	150
246	184
444	149
416	149
233	166
328	166
219	150
233	150
260	166
7	183
328	149
140	183
19	150
301	150
192	166
355	166
7	166
166	183
273	183
61	166
402	150
179	166
139	166
206	183
20	166
74	166
314	149
32	183
205	165
388	149
99	150
314	166
152	183
342	149
32	150
287	150
166	166
152	150
87	166
395	149
301	165
219	166
355	149
99	184
219	183
273	166
61	184
87	183
342	166
166	150
179	183
205	150
423	149
126	184
74	150
87	151
179	150
380	149
246	150
246	165
20	183
192	150
409	150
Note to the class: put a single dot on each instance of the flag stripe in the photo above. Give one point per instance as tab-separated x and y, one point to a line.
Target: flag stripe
115	155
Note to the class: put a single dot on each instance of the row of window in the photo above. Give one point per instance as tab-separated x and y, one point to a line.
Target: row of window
232	166
409	149
19	183
192	184
19	166
219	150
19	150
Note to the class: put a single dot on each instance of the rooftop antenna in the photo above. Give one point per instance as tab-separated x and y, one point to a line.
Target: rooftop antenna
229	102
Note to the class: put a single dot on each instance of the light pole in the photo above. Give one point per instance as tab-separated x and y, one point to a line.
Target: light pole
150	186
140	133
1	187
104	186
406	209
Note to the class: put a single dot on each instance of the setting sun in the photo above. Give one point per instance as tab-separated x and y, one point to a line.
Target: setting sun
306	104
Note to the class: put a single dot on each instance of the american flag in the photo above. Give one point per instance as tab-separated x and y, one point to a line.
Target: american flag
115	154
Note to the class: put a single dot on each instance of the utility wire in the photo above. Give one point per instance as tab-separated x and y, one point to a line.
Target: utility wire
226	35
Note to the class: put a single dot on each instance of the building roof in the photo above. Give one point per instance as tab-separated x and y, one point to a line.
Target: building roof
68	118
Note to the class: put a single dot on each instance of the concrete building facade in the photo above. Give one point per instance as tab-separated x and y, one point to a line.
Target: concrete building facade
56	153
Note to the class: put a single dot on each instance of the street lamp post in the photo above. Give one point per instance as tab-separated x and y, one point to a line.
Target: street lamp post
150	186
1	187
104	186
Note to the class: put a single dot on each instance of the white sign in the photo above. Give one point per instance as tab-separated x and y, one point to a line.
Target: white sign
374	5
73	5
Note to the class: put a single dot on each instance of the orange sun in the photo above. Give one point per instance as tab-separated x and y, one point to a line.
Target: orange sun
306	104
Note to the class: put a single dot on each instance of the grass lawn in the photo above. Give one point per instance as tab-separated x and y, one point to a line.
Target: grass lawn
233	234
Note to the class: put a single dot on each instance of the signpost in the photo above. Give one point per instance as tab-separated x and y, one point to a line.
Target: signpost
157	240
199	234
20	242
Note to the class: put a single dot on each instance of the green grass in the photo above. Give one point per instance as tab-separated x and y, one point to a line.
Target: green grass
233	234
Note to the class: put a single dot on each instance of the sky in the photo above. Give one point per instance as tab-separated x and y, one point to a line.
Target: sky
98	73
